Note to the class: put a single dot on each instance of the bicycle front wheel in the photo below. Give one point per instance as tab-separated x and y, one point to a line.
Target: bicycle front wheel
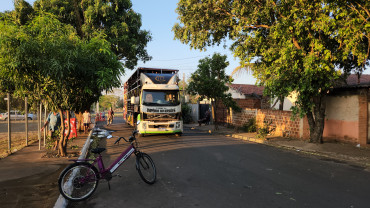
146	168
78	181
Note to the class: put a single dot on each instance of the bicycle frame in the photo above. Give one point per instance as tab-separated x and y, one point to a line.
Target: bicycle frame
117	163
122	158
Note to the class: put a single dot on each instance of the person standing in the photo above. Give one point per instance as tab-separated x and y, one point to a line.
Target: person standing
206	119
86	120
54	122
110	116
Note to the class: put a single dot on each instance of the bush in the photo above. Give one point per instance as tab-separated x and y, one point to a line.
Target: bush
250	125
186	113
267	129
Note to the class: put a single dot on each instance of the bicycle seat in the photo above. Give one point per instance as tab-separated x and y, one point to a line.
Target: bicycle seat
98	150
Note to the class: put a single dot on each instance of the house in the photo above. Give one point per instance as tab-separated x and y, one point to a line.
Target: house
246	96
347	109
249	96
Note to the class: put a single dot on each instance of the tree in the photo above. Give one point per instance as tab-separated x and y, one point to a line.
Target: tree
114	18
108	101
66	53
210	81
299	46
46	59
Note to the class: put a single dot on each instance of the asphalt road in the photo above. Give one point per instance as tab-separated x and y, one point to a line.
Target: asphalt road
203	170
18	126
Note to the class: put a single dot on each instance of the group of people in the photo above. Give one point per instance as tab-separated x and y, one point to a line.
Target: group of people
54	122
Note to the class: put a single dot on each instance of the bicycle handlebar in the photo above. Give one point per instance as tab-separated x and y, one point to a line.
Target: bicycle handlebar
131	139
117	141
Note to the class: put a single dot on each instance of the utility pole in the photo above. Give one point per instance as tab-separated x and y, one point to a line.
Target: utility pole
45	106
9	129
39	124
26	117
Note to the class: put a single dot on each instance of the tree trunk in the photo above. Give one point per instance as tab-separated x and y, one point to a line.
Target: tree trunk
79	121
78	18
68	132
61	149
214	113
281	104
316	120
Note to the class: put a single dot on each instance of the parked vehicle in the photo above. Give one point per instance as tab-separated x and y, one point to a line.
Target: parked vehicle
152	97
16	115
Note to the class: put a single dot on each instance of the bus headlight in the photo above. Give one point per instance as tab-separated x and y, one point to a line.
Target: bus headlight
178	125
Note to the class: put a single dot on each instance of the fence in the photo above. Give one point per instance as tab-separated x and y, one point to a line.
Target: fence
19	124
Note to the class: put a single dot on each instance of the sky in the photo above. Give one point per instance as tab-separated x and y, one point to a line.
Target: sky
158	17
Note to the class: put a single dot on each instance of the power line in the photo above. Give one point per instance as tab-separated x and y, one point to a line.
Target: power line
180	59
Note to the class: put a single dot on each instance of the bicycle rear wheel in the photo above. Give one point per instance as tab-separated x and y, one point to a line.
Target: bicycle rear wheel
146	168
78	181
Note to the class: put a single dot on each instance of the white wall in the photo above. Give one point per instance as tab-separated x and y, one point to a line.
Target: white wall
235	94
344	108
288	102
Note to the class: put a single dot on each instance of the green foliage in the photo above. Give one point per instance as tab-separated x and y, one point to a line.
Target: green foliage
94	144
50	141
53	64
297	46
115	19
210	80
67	53
250	125
267	129
16	103
108	101
186	113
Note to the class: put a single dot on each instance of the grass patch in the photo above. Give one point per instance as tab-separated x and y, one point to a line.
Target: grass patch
18	141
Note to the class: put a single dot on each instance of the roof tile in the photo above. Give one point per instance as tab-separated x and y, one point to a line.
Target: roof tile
247	89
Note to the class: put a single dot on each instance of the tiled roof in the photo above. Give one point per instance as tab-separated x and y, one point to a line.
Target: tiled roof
353	81
246	89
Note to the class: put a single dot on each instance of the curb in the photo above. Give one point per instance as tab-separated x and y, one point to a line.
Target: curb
62	202
250	139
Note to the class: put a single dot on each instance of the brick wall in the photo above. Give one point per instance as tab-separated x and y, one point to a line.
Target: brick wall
281	120
362	117
249	102
238	119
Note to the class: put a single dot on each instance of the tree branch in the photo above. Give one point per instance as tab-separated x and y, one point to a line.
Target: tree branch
295	42
245	19
362	17
366	10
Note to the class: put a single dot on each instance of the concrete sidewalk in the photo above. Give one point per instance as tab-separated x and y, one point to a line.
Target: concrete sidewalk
339	152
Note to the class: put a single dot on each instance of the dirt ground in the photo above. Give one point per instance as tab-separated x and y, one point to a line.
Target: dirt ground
18	141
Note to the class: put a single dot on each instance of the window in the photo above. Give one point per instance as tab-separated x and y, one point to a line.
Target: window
162	98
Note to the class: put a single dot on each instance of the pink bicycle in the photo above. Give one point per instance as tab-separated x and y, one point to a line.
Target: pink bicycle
80	179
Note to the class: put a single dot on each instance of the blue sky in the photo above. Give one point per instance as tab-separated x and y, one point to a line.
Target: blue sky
158	17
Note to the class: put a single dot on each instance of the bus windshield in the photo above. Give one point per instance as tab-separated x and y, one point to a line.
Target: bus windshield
161	98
